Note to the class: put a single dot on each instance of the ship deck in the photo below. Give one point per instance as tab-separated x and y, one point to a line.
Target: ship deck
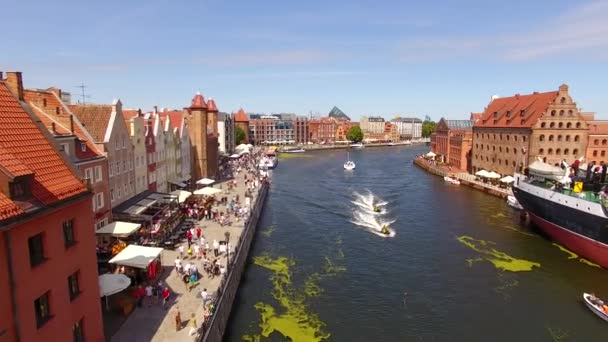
585	195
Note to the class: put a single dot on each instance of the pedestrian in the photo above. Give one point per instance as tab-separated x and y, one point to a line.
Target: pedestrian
199	232
216	246
197	251
223	248
190	252
189	237
149	293
192	282
178	319
181	251
139	295
178	265
186	280
165	295
193	326
204	296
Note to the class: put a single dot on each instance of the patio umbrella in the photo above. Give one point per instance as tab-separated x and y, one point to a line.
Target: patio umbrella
208	191
507	179
493	175
235	156
110	284
482	173
205	181
430	154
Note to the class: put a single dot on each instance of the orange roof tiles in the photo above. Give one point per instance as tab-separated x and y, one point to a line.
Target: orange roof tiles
211	105
176	117
198	102
516	111
94	118
8	208
21	137
241	116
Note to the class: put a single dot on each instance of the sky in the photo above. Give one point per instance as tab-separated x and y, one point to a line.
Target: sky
409	58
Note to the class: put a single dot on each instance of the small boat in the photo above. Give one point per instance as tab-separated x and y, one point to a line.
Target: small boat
359	145
377	209
391	144
385	230
596	305
293	150
451	180
512	201
349	165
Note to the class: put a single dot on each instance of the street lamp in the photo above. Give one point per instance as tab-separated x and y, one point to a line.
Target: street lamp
227	236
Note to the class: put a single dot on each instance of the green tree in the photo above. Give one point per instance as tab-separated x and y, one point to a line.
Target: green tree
428	128
239	135
355	134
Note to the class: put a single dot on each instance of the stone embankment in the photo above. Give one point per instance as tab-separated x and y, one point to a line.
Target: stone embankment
465	178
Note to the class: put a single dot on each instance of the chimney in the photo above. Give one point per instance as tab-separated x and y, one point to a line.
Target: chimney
1	76
139	114
155	109
15	83
72	123
53	128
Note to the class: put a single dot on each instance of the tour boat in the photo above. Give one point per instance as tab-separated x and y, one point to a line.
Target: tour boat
575	217
598	310
451	180
512	201
391	144
359	145
293	150
349	165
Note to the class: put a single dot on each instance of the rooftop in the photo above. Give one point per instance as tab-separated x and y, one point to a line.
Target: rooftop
94	118
338	114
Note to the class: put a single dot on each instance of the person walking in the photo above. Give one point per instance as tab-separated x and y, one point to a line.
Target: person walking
149	293
193	325
165	295
189	237
204	296
216	246
181	251
178	319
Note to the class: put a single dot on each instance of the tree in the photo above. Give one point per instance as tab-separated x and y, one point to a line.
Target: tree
355	134
428	128
239	135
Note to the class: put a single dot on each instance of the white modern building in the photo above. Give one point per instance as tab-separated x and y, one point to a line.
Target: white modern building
408	128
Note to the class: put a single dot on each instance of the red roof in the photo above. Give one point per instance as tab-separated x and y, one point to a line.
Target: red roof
24	149
55	112
94	118
241	116
176	117
211	105
475	116
516	111
198	102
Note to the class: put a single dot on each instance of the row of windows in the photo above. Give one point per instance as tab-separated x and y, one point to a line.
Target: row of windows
127	165
558	151
500	136
559	137
562	112
597	142
603	153
559	125
93	174
42	308
500	161
125	190
507	149
36	243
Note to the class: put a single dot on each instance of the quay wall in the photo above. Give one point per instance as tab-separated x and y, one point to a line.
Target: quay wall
227	291
465	179
337	147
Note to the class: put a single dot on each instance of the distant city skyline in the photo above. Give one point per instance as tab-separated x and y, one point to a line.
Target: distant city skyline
411	59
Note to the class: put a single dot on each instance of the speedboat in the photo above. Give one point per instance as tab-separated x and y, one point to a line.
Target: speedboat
385	230
293	150
349	165
451	180
359	145
377	209
596	305
512	201
391	144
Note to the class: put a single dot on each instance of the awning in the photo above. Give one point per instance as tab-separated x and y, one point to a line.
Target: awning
430	154
178	183
136	256
493	175
118	229
482	173
235	156
205	181
110	284
181	195
208	191
507	179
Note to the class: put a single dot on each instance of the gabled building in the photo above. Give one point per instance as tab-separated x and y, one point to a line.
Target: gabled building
160	158
241	120
452	141
106	125
48	279
137	132
77	146
151	155
514	131
181	144
597	147
226	134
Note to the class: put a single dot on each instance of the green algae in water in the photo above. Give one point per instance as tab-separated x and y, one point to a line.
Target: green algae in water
589	263
499	259
297	322
331	268
557	334
268	231
293	155
471	261
572	255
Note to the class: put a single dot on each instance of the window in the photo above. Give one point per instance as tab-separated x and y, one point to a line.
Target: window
561	113
110	169
578	125
117	168
98	174
499	148
507	150
596	142
576	138
542	125
73	285
603	153
562	100
569	125
551	125
88	174
550	151
36	247
17	189
119	192
68	233
604	142
99	200
558	151
551	137
566	151
83	147
575	152
552	113
559	138
541	151
595	153
66	149
43	312
567	138
112	195
560	125
542	137
523	139
78	331
570	113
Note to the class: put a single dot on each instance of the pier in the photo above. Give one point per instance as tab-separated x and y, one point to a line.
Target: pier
157	324
465	178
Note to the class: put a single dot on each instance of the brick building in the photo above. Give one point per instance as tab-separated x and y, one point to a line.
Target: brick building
48	279
597	148
514	131
205	144
241	120
451	141
301	130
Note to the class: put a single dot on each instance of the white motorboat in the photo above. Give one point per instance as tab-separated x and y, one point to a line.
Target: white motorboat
407	142
349	165
391	144
593	303
293	150
451	180
512	201
359	145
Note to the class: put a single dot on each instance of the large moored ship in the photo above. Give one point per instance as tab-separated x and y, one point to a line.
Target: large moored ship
575	216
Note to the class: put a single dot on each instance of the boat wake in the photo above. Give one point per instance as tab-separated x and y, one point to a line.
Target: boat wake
373	221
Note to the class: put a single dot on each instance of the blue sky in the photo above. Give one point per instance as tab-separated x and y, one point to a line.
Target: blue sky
442	58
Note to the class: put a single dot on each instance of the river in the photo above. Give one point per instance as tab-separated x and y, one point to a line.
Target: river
461	266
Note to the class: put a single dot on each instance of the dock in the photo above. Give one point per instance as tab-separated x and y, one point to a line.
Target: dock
465	178
157	324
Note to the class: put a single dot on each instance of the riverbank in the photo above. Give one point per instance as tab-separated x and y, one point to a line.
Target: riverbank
465	178
336	147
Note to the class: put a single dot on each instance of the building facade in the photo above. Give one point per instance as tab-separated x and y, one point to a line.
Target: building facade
408	128
514	131
372	124
77	146
48	280
301	130
197	125
106	125
241	120
225	128
451	141
137	131
597	147
150	152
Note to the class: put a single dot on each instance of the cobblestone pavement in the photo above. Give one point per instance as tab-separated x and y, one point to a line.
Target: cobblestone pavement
157	324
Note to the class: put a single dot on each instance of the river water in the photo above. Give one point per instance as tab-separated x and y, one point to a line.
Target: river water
461	266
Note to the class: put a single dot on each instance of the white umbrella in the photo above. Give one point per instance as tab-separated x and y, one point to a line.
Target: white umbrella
244	152
110	284
235	156
493	175
507	179
208	191
430	154
205	181
482	173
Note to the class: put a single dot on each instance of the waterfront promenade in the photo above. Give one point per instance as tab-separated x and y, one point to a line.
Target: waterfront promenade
465	178
157	324
316	147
